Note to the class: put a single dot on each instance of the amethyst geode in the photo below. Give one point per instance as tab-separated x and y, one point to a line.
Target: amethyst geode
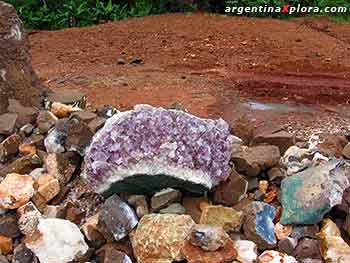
148	148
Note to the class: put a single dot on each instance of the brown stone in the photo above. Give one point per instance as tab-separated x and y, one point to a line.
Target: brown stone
220	216
15	191
23	165
9	147
17	77
165	235
45	121
6	246
91	230
332	144
9	226
79	136
164	198
139	203
96	124
25	114
232	191
346	151
74	213
192	206
109	253
287	245
194	254
84	116
59	166
308	248
282	139
251	161
47	188
7	123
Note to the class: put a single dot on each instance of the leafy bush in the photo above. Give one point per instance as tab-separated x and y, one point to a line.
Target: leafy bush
56	14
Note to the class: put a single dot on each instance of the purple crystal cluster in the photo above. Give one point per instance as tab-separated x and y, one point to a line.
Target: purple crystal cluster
154	136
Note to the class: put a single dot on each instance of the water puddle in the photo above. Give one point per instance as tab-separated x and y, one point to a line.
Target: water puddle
282	107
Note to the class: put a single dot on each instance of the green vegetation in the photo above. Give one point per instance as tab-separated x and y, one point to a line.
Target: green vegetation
56	14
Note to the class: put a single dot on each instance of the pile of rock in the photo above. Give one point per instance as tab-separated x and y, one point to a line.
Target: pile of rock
154	185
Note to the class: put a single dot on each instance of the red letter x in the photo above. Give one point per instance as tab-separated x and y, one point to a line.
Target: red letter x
285	9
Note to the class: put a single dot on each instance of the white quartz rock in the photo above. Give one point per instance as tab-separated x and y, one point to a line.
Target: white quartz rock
60	241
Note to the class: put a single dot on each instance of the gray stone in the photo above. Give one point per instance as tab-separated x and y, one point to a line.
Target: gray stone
116	218
22	254
175	208
45	121
164	198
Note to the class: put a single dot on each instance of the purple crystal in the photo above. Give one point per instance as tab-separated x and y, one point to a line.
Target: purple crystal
153	141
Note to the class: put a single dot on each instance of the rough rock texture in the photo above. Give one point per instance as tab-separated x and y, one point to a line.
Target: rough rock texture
271	256
17	78
164	198
57	240
169	147
208	238
195	254
282	139
15	191
252	160
166	235
333	248
307	196
226	217
231	191
258	225
247	251
117	218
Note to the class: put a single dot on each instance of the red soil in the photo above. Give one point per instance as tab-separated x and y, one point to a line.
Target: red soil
209	63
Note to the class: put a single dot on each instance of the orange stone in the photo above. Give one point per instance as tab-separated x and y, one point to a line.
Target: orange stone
27	149
16	190
5	245
195	254
62	110
47	188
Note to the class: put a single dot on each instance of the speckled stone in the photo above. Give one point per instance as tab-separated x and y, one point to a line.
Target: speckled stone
226	217
170	148
307	196
258	225
165	235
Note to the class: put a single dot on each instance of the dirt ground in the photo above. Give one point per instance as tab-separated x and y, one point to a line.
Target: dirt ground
294	74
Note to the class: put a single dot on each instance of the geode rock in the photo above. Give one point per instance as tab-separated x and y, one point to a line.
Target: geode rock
17	77
307	196
148	149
